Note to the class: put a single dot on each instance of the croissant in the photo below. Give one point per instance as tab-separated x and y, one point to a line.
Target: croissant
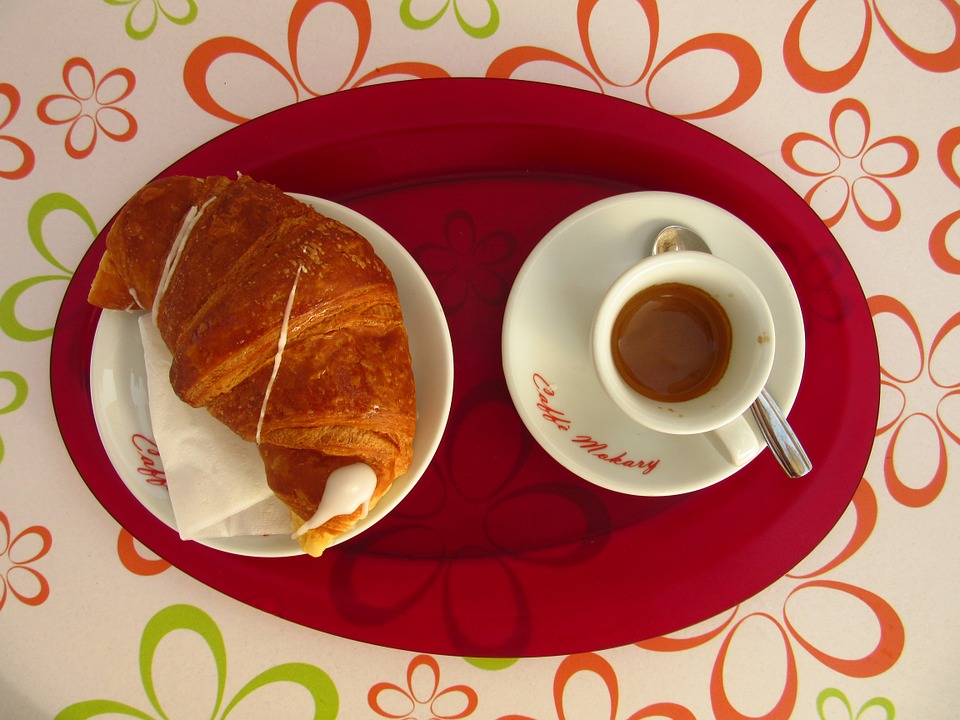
283	323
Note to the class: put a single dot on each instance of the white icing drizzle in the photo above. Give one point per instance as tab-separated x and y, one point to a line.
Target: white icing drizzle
136	299
348	488
281	344
173	257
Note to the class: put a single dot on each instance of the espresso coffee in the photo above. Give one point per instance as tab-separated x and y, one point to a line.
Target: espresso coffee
671	342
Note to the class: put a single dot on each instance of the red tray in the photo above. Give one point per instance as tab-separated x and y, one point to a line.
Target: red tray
499	551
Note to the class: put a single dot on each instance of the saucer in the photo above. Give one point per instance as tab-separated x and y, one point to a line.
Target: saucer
118	394
546	341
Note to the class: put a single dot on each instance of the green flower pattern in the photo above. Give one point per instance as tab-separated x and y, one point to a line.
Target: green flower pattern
19	395
187	617
145	14
475	31
10	324
831	698
491	664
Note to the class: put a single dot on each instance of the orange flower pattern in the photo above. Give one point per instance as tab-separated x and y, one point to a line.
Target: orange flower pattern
940	368
199	64
132	559
840	147
17	553
922	398
939	249
785	632
595	665
91	107
817	80
749	69
27	159
421	696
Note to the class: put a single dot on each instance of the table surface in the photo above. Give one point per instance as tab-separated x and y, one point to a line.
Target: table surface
853	105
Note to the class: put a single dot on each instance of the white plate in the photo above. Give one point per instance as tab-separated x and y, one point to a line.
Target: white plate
546	341
119	392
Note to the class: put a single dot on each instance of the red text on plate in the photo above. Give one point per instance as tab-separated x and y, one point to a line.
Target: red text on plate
149	460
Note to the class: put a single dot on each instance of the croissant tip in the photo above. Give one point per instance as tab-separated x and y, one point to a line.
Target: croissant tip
312	542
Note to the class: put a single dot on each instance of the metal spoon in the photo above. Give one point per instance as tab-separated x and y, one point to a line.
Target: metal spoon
776	430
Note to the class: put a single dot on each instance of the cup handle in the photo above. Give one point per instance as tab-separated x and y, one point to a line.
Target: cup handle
736	441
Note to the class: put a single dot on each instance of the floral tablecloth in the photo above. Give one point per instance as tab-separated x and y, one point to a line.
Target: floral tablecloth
853	104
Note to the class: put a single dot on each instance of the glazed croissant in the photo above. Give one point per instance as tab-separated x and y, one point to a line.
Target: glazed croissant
283	323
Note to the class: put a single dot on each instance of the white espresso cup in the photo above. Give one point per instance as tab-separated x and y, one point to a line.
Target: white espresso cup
659	344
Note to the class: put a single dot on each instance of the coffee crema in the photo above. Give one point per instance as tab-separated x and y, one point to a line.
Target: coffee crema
671	342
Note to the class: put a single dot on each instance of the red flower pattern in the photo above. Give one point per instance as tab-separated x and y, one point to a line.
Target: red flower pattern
467	262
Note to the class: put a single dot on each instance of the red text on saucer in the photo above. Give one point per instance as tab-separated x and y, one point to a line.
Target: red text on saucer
546	404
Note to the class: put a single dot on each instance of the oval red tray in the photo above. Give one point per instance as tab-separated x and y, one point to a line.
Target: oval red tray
499	551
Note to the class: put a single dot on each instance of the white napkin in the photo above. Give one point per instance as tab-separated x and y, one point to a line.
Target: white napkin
216	481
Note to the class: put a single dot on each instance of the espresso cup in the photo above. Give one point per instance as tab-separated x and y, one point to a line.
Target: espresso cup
683	343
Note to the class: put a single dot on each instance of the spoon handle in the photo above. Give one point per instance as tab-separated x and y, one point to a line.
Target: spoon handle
780	436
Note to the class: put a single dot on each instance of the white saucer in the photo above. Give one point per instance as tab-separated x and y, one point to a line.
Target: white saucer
118	392
546	341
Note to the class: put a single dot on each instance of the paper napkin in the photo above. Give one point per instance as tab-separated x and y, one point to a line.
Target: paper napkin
216	480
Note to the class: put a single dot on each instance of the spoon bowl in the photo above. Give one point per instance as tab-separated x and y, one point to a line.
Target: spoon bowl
677	237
